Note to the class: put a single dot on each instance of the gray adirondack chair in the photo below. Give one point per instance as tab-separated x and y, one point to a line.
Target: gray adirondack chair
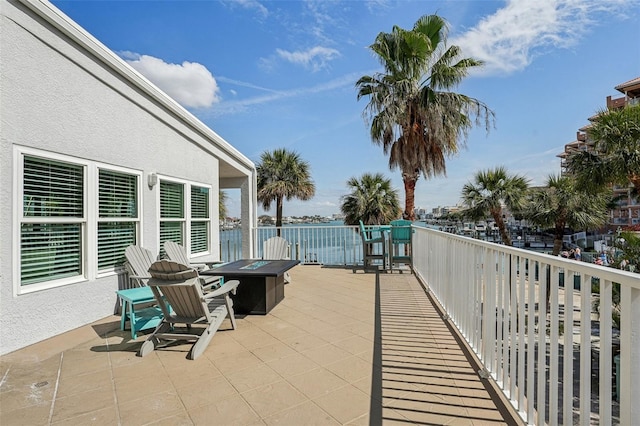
178	253
180	287
277	248
139	259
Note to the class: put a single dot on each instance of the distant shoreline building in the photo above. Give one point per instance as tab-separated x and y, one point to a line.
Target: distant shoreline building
627	211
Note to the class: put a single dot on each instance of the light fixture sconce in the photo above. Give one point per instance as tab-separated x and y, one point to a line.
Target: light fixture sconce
152	179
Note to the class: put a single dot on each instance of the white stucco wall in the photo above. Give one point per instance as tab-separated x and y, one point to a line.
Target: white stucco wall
57	96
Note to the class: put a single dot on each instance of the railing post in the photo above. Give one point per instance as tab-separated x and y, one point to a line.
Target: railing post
630	355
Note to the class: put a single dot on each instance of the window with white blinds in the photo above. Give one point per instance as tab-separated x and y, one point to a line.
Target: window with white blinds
199	219
77	218
172	214
185	215
118	217
53	220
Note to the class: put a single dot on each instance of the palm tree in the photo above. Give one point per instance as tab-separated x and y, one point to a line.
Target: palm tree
492	190
282	174
615	158
412	112
372	200
222	205
559	204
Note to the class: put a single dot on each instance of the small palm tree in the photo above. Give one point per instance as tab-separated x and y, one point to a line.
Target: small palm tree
491	190
282	174
559	204
222	204
616	155
412	111
372	200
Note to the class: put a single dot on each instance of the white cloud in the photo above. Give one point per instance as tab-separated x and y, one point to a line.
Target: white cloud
315	58
190	83
249	5
510	39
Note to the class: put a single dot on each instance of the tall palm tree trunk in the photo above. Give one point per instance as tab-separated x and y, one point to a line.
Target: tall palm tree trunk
502	228
409	202
558	233
279	202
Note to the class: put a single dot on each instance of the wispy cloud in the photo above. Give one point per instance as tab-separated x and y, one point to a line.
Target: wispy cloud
236	106
190	83
314	58
251	5
323	19
245	84
377	6
510	39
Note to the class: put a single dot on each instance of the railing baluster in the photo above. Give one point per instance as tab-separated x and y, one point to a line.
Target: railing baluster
567	367
551	273
585	349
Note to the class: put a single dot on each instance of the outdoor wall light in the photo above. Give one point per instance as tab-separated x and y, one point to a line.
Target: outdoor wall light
152	179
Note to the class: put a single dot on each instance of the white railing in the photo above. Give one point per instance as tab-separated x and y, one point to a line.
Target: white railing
554	364
311	244
492	294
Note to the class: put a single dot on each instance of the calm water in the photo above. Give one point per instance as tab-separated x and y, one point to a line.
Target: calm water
330	243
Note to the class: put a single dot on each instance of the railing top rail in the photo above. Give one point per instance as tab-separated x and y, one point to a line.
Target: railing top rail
603	272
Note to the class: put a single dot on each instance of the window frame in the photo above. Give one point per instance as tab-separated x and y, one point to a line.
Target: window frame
206	220
88	223
137	220
187	219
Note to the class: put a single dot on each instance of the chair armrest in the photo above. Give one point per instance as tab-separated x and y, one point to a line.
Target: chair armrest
197	266
210	282
215	264
139	280
140	277
228	287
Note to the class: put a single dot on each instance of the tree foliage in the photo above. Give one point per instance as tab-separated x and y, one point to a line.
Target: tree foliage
412	112
560	204
372	200
283	175
491	190
615	158
222	204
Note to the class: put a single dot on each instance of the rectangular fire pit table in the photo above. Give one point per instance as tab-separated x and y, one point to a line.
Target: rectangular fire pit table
261	283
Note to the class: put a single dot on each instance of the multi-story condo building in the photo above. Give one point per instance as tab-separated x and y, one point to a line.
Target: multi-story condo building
627	211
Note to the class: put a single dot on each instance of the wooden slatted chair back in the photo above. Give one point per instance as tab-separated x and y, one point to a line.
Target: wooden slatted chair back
176	252
139	260
182	289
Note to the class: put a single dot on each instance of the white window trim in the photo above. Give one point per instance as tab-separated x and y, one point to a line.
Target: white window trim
89	221
93	245
187	211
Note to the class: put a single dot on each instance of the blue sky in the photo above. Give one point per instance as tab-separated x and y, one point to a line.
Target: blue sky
274	74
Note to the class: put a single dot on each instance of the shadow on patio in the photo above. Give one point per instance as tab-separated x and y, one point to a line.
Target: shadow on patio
341	348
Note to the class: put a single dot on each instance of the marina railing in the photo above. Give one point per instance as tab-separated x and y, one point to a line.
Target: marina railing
562	362
311	244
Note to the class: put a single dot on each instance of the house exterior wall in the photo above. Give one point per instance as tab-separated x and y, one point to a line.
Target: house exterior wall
58	96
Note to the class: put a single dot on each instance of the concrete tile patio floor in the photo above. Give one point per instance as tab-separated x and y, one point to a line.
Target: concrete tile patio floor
339	349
